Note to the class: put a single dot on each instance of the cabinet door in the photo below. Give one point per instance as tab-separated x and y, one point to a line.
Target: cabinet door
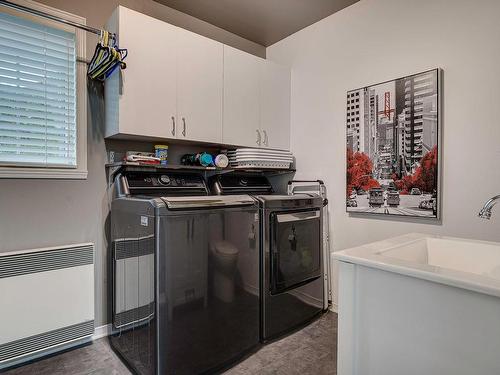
241	122
147	87
275	106
199	87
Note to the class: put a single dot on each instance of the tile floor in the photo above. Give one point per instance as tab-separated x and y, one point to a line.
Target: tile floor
312	350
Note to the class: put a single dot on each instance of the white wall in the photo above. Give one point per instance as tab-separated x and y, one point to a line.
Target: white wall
376	40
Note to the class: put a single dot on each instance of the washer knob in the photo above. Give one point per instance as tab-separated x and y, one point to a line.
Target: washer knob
164	179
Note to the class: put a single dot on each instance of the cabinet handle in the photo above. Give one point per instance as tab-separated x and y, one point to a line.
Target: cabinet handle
258	137
183	126
173	125
266	139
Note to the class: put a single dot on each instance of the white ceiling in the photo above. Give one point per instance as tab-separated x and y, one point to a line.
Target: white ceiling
262	21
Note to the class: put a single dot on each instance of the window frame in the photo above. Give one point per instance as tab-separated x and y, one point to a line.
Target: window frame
80	172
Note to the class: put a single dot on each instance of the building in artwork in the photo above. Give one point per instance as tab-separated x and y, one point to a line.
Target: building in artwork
398	129
355	130
370	122
399	144
420	127
429	123
362	121
385	132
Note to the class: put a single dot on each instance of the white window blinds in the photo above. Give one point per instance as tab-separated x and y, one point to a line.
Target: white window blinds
37	94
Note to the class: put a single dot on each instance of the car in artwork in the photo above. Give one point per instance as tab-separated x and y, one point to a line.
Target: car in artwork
415	191
352	203
393	198
376	197
428	204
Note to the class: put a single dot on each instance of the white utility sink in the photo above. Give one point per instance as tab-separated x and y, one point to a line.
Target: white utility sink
419	304
470	264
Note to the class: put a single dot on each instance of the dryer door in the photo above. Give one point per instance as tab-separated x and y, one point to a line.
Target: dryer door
295	249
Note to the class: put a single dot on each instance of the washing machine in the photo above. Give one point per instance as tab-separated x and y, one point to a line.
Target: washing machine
185	291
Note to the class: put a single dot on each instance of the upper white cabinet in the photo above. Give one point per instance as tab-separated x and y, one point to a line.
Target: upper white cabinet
141	100
199	87
241	124
256	101
172	86
180	85
275	106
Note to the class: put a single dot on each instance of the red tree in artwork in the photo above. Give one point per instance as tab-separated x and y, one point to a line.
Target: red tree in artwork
425	175
359	172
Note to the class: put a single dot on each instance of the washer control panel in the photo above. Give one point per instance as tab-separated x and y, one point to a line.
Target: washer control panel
166	183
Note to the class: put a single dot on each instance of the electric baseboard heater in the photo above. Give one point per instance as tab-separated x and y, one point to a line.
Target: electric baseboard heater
46	301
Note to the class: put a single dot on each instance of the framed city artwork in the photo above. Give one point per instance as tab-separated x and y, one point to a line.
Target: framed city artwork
393	147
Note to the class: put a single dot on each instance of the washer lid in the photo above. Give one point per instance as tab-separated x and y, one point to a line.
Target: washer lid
193	202
225	248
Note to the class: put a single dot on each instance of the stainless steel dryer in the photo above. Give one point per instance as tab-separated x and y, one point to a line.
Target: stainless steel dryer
185	274
292	285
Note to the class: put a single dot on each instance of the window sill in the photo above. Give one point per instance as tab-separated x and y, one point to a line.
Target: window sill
43	173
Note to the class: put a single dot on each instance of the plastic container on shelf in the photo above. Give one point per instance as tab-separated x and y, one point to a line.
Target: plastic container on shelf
161	152
221	161
204	159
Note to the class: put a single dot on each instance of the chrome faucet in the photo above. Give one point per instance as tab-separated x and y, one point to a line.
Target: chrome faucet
485	212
